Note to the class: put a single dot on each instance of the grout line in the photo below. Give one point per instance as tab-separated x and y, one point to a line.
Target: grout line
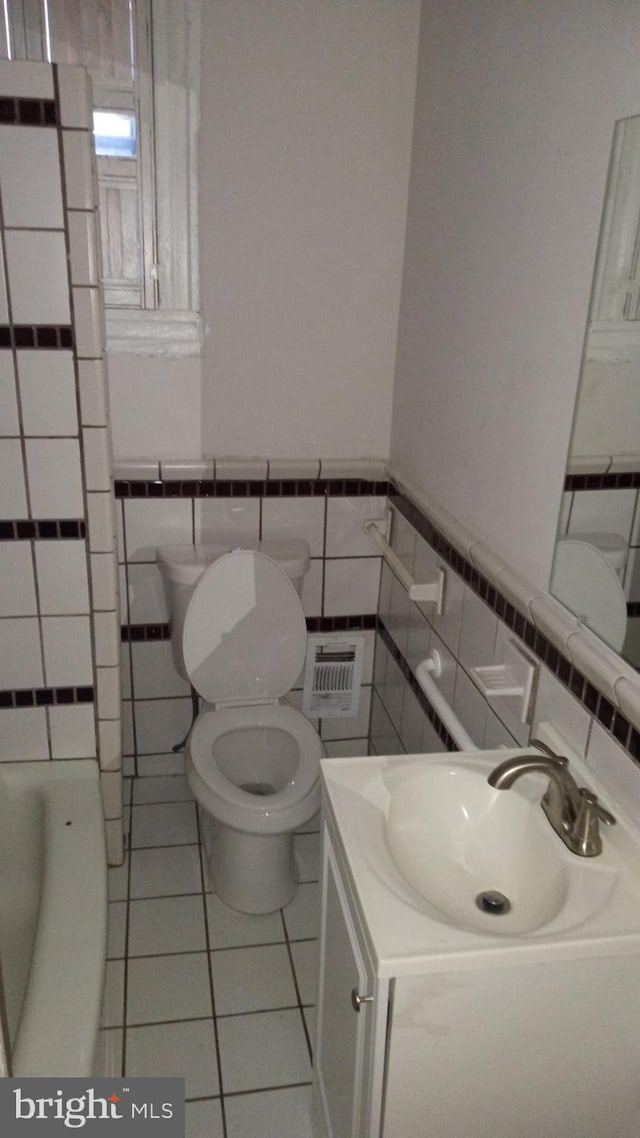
296	985
210	971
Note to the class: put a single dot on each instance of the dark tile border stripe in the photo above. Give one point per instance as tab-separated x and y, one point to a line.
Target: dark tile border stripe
141	633
20	336
596	704
47	529
249	488
45	697
27	112
629	479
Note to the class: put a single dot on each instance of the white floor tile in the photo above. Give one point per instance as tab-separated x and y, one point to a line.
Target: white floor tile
179	1050
166	870
307	851
310	1018
252	979
116	930
170	824
118	878
305	962
230	929
161	988
173	788
267	1049
113	998
204	1119
302	915
166	924
160	765
270	1114
108	1063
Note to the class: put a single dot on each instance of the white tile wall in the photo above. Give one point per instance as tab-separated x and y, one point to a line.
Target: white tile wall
18	594
608	511
149	524
346	536
301	518
47	392
37	267
66	643
146	600
46	630
73	734
20	654
351	585
88	322
8	400
30	178
78	165
23	734
238	518
4	305
63	582
54	472
83	247
27	80
93	393
13	496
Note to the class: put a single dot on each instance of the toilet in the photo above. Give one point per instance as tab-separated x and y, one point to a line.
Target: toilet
239	636
587	579
612	546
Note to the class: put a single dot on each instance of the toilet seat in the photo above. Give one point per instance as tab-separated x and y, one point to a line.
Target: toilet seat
241	809
585	582
245	635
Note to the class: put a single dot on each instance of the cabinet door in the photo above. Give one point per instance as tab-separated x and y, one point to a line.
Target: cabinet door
345	1033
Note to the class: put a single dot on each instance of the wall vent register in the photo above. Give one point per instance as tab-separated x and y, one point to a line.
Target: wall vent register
332	676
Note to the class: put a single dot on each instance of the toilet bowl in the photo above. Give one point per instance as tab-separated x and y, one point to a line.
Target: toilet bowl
252	762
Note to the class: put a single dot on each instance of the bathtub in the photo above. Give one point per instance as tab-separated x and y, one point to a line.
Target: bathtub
53	914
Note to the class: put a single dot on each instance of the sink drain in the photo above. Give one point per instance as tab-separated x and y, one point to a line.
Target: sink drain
493	902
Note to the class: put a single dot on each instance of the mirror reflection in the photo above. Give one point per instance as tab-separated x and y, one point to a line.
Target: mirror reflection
596	569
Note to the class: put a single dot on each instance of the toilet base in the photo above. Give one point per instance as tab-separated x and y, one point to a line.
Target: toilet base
254	873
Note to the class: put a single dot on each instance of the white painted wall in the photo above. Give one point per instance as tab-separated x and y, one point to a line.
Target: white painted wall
608	412
307	113
155	406
514	119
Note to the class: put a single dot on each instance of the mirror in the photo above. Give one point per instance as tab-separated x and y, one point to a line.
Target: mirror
596	568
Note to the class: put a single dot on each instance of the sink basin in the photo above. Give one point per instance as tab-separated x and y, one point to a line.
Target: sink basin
483	857
426	836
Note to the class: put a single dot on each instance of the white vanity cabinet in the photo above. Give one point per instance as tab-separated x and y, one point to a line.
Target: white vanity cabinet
504	1037
352	1014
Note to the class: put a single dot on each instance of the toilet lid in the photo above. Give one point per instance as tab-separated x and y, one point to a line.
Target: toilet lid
245	635
585	582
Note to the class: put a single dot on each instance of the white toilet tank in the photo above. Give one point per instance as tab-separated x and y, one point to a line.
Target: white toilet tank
182	566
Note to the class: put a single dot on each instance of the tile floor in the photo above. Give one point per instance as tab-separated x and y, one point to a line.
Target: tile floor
196	989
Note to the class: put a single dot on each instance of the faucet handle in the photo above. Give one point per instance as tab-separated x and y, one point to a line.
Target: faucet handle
540	746
585	831
595	804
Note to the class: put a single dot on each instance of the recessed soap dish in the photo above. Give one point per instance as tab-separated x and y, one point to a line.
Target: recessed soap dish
513	679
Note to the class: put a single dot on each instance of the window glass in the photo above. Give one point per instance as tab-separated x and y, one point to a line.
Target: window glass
115	134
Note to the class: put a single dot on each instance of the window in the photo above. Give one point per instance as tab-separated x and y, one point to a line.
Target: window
143	58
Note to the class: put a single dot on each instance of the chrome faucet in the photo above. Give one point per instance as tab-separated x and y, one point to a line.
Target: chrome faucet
573	811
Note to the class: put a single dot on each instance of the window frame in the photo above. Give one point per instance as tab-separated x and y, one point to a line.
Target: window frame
171	328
